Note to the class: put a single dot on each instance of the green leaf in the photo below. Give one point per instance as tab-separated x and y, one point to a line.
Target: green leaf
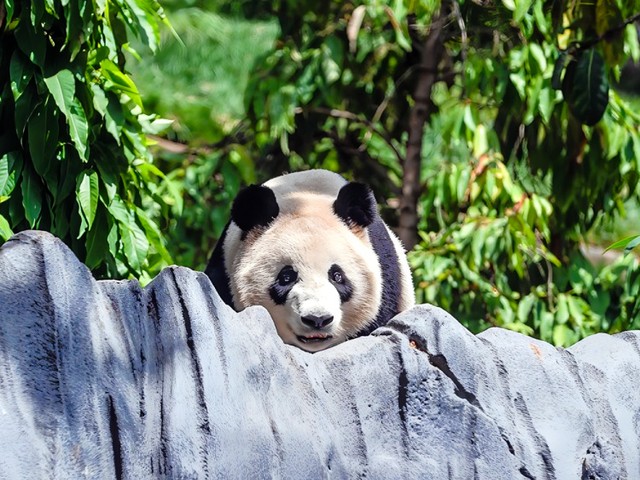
135	244
5	229
10	168
546	326
599	301
558	68
31	198
509	4
120	82
96	243
79	128
154	235
623	243
521	9
519	82
586	88
7	182
100	101
563	336
524	307
576	309
87	195
632	244
20	73
25	106
538	56
631	42
562	312
330	69
10	8
114	117
43	137
62	88
134	241
32	41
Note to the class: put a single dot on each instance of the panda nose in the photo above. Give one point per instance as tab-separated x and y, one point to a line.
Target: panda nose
317	322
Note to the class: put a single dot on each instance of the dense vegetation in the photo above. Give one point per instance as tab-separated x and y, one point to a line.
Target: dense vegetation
73	145
490	132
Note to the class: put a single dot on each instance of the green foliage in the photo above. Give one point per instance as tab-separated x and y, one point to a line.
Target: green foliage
628	243
333	94
73	148
528	148
528	151
488	262
205	183
585	87
197	78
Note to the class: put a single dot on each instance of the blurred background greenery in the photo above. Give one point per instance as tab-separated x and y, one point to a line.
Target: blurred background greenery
502	138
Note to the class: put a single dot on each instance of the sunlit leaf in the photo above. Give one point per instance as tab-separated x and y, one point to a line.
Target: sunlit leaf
5	229
87	195
7	181
521	9
154	235
62	88
31	198
120	82
135	244
624	243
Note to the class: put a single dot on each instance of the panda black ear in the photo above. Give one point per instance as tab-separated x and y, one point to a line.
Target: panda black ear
356	204
255	206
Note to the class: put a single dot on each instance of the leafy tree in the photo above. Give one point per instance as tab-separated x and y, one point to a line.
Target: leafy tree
73	146
197	79
491	125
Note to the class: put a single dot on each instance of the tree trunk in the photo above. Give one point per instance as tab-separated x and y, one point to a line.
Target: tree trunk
431	52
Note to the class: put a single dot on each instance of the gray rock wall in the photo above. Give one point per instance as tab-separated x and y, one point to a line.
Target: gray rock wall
104	379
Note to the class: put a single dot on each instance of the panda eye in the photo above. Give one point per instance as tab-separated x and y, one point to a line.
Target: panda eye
341	282
336	275
287	276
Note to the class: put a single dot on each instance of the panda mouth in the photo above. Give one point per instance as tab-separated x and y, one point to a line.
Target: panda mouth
314	338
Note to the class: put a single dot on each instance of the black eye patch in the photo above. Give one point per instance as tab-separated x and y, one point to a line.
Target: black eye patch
286	279
339	280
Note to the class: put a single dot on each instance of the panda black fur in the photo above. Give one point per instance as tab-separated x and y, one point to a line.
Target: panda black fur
312	249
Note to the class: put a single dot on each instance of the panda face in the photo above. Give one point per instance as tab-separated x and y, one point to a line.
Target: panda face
318	278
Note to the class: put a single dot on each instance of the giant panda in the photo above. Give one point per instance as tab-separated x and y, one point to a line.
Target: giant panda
313	250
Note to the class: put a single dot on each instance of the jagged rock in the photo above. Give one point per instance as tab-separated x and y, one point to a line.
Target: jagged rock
104	379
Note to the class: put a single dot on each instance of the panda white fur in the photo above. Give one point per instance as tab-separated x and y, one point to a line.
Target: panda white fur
312	249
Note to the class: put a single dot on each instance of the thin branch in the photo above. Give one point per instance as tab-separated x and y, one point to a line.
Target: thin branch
582	45
464	40
383	105
335	113
431	51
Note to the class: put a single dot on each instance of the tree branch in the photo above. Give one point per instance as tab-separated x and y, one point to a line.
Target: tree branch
431	52
586	44
335	113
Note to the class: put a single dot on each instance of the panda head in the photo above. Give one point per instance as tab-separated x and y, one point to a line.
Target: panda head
308	261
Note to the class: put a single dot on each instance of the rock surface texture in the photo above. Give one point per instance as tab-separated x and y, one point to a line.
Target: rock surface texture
104	379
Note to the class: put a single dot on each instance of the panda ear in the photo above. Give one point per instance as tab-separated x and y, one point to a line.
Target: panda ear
255	206
356	205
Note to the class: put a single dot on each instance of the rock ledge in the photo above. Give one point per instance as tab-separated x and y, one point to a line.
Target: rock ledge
104	379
